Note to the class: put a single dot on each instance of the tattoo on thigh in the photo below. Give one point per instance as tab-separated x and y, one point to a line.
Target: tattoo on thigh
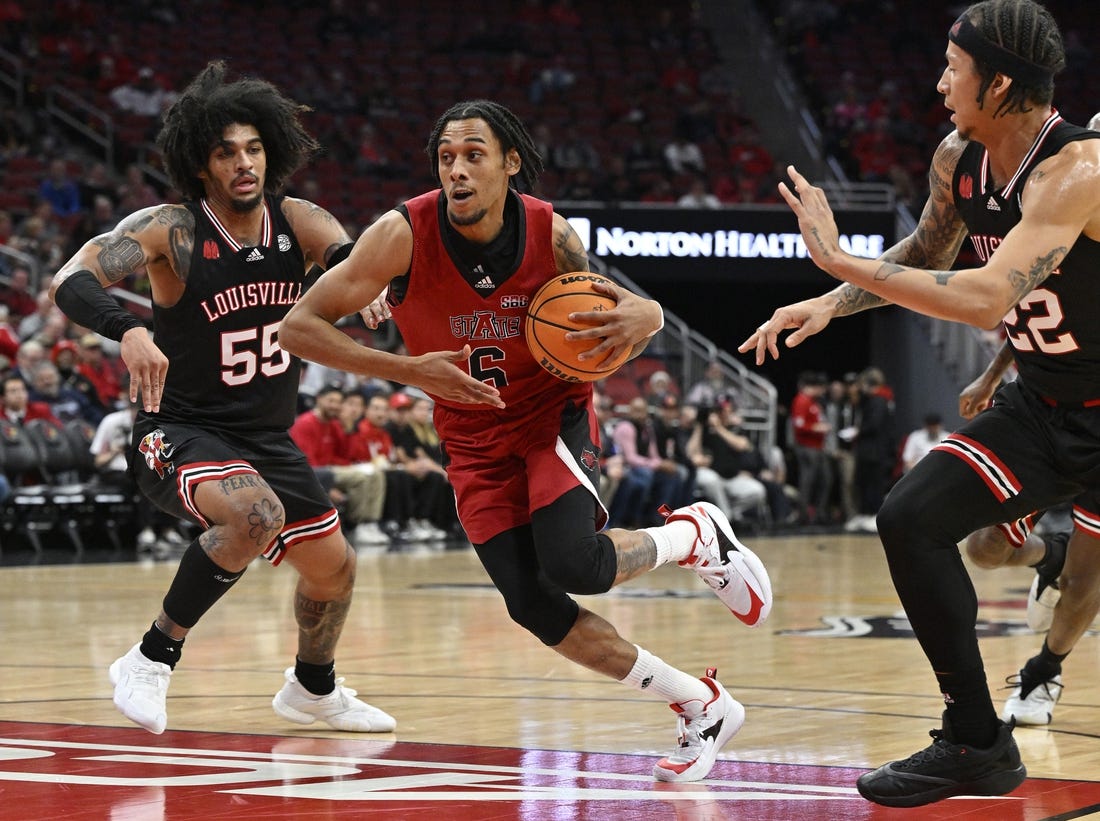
265	520
243	480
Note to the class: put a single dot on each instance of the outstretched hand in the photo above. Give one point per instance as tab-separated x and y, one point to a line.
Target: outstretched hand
438	374
815	219
807	318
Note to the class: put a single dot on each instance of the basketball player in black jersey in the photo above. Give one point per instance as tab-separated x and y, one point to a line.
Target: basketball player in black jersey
1025	187
218	393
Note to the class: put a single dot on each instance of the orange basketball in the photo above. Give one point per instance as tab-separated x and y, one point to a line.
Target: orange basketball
548	323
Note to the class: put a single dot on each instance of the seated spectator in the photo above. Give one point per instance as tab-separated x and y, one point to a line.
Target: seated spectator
673	425
714	384
658	386
649	477
144	95
135	193
65	403
611	461
699	196
98	368
921	441
17	405
60	190
682	156
27	359
64	356
111	448
320	436
35	321
726	461
370	443
9	341
418	450
16	294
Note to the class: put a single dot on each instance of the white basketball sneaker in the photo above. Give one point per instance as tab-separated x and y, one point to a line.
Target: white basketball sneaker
1037	707
702	735
733	572
340	709
141	689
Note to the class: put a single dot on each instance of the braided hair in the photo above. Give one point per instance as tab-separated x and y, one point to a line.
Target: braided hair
197	120
508	129
1028	30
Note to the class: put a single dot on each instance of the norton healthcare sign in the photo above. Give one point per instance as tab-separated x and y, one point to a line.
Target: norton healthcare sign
753	244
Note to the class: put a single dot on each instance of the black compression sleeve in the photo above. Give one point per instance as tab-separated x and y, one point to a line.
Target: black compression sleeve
84	300
339	255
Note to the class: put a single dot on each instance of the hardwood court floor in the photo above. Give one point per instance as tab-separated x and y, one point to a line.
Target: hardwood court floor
490	723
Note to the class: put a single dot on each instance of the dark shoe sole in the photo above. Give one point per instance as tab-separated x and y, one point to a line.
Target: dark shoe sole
999	783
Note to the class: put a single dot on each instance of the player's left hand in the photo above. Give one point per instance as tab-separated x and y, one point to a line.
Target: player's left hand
815	219
632	320
377	311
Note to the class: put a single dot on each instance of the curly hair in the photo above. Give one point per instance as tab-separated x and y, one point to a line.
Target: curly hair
1028	30
508	129
196	121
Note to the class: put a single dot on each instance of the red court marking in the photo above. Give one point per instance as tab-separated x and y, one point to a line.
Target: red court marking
80	773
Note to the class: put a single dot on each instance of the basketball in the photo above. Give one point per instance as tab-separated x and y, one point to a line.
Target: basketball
548	323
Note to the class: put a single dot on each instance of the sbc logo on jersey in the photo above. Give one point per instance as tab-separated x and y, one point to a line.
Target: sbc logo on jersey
157	452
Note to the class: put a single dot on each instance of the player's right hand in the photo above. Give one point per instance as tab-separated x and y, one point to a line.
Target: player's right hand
438	373
147	365
806	318
975	397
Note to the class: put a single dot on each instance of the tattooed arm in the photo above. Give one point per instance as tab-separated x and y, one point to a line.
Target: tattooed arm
934	243
318	232
158	240
1061	200
628	326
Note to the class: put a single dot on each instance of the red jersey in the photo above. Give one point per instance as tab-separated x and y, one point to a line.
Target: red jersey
446	305
321	440
368	442
805	413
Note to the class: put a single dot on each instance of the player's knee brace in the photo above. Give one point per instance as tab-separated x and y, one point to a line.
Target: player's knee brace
585	565
199	582
548	617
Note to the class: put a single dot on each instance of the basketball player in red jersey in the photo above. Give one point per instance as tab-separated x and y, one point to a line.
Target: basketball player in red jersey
521	446
1024	185
211	444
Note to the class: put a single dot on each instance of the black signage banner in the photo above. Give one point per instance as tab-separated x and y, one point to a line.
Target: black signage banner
747	244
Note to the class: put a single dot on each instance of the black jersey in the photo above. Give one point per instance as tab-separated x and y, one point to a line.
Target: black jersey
1055	329
226	369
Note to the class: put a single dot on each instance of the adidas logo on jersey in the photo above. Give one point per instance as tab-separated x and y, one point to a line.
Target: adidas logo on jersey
992	205
255	256
485	282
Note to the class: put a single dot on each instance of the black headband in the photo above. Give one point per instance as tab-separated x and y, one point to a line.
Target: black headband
969	39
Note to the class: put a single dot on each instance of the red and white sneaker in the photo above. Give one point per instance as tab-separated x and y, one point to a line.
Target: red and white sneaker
733	572
702	735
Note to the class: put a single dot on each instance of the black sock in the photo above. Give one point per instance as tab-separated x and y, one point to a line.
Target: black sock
319	679
156	646
1040	668
970	712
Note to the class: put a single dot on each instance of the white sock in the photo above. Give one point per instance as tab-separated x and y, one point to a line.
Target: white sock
651	675
674	541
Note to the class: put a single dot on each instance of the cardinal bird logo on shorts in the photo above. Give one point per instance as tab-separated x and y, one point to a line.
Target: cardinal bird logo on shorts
590	459
157	453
